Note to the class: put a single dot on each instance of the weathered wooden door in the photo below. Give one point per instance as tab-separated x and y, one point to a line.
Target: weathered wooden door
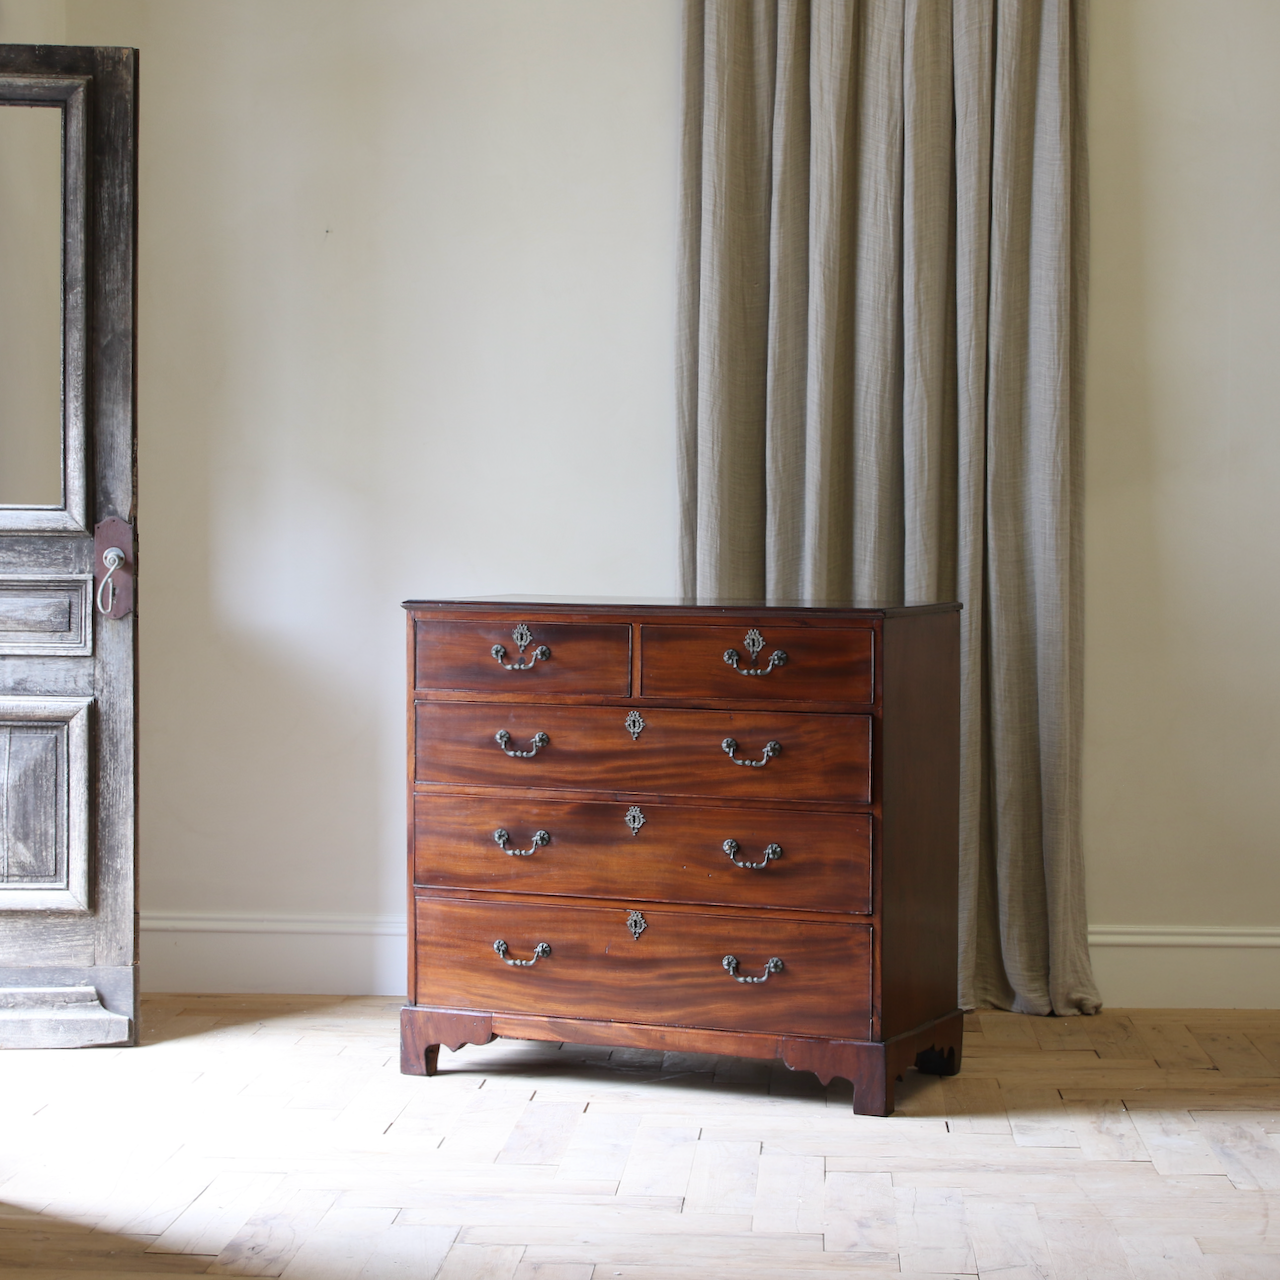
68	955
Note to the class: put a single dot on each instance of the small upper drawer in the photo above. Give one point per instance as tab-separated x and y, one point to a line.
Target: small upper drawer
757	663
508	655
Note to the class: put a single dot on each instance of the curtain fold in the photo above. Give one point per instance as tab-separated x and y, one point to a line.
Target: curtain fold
881	335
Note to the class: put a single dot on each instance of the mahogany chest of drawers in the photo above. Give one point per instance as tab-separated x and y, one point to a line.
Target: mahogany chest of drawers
710	828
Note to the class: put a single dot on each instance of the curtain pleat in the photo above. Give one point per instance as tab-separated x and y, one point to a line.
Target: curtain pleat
881	335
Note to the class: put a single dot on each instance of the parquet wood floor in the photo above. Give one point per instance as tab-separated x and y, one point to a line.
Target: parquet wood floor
274	1136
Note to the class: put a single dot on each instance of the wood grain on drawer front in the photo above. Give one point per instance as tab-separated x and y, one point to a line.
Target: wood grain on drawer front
676	854
676	752
582	657
672	973
821	664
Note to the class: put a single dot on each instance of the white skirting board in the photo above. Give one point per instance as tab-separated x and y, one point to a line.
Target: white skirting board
1187	966
1137	966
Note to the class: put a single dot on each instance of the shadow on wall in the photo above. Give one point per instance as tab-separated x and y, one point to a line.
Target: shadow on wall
266	641
259	813
406	321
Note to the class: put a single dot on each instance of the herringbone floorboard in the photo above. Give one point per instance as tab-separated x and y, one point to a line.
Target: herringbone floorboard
274	1136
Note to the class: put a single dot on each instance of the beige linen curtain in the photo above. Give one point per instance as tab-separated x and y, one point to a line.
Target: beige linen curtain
880	377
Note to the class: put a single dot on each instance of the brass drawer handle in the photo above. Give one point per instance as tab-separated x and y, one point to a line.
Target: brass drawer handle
539	839
731	848
755	642
539	740
523	638
729	746
777	658
541	652
539	952
772	965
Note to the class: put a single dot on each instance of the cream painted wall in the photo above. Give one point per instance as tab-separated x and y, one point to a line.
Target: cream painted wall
407	329
33	22
1182	747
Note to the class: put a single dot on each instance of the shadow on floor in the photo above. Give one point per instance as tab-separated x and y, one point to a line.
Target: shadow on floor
534	1060
39	1242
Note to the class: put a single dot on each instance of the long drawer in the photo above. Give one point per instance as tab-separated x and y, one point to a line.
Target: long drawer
797	664
660	852
504	655
663	751
584	962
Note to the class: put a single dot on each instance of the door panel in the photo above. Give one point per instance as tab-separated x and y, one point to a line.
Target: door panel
68	962
31	250
46	615
54	79
44	804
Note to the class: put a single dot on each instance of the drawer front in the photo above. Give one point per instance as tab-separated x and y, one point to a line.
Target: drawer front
665	751
537	657
813	861
800	664
672	972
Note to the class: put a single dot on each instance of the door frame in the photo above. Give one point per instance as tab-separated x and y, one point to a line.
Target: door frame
88	946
